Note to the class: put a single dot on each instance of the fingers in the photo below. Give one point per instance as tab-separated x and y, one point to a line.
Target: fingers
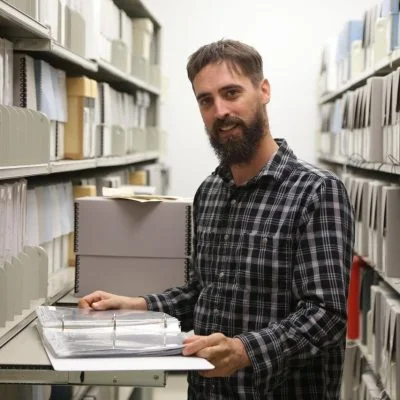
195	343
226	354
93	298
105	304
191	339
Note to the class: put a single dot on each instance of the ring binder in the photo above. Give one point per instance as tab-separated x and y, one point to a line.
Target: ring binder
22	83
73	332
76	227
187	270
77	269
188	230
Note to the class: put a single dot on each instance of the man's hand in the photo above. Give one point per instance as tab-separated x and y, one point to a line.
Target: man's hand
226	354
105	301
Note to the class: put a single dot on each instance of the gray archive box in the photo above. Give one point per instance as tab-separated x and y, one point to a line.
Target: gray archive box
126	228
128	276
131	248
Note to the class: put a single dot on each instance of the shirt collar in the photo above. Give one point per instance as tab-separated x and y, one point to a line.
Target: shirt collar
276	169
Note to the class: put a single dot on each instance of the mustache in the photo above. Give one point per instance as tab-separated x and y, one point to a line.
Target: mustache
221	123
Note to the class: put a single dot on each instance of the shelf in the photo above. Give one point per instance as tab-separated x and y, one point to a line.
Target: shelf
371	366
111	161
111	74
383	67
55	167
135	9
19	171
126	160
368	166
71	165
141	157
57	55
59	285
16	24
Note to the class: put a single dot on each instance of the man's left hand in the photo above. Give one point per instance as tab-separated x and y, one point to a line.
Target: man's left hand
226	354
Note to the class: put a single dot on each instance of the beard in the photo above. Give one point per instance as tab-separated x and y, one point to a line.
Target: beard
237	149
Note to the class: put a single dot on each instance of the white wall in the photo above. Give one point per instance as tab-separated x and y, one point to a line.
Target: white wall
289	35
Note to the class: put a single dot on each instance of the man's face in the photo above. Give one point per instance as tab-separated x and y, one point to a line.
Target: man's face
233	111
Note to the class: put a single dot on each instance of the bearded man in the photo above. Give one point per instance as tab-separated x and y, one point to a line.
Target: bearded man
272	250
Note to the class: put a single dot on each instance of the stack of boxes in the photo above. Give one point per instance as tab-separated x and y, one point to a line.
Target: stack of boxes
130	247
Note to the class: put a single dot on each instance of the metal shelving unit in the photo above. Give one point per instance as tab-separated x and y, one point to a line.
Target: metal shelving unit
59	285
381	68
59	56
136	9
19	171
32	37
61	166
15	23
367	166
108	73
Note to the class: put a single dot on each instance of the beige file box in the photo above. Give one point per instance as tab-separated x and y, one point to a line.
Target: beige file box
80	126
138	177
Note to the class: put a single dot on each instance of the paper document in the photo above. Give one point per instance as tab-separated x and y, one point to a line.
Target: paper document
128	192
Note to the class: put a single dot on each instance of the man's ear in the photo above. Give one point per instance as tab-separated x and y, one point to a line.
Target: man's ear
265	91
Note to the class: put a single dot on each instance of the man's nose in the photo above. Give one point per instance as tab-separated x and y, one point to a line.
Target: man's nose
221	108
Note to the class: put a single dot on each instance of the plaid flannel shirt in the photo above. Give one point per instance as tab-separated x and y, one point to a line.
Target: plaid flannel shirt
270	266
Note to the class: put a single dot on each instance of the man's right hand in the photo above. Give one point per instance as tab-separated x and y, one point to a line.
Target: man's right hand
100	300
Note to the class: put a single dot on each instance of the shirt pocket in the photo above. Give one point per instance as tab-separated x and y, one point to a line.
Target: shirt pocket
265	262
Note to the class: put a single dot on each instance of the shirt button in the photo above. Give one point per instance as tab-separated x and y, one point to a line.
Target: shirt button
221	275
233	202
226	236
264	240
216	311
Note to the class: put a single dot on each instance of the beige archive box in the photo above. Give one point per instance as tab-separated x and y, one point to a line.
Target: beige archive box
80	128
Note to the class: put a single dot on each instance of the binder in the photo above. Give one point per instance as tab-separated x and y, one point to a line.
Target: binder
65	331
45	93
368	278
126	228
375	223
391	230
361	211
373	141
353	302
24	86
7	55
394	352
357	59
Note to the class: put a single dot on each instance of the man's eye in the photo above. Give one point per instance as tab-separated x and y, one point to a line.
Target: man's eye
205	102
231	93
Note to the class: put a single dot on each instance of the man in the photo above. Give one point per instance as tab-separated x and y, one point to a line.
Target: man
273	241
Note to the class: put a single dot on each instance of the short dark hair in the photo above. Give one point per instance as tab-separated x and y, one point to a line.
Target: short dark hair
239	56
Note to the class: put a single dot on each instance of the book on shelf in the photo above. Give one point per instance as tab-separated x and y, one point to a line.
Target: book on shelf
74	332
